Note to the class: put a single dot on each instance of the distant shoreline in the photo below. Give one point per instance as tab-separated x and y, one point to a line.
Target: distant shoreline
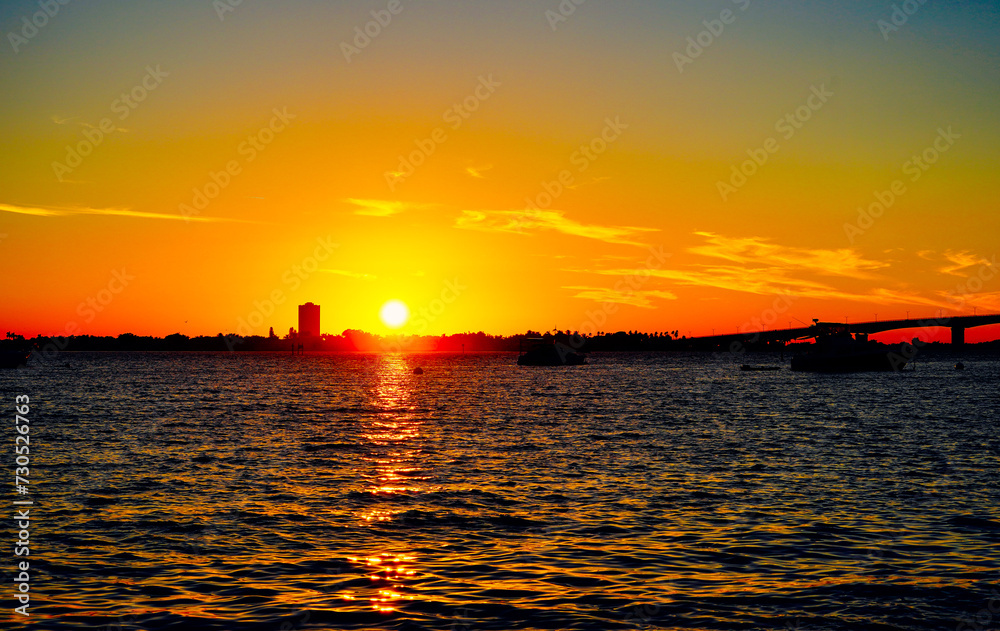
361	342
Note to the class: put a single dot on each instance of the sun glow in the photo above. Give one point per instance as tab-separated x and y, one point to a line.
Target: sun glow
394	314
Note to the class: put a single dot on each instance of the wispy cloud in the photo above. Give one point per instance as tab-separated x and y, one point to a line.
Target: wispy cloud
375	207
635	298
734	278
756	266
58	120
349	274
761	252
771	282
382	207
882	295
528	221
986	301
28	210
117	212
477	172
959	261
596	180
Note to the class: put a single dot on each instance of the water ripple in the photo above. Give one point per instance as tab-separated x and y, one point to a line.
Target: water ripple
222	491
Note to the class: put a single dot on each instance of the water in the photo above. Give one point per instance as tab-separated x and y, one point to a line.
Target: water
230	491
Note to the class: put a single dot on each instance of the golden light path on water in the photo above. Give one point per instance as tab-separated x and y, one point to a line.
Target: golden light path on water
394	460
232	493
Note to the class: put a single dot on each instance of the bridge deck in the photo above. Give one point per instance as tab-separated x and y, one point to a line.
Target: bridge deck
957	324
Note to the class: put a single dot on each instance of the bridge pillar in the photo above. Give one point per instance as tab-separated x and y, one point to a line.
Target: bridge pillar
958	336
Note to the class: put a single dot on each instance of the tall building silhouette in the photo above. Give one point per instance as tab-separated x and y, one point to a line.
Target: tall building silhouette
308	320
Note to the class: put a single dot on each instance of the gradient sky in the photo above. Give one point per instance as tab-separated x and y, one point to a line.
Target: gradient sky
482	235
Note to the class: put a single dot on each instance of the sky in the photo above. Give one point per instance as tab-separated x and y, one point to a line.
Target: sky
200	167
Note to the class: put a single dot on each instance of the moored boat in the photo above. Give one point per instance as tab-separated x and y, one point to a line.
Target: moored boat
837	350
543	352
10	358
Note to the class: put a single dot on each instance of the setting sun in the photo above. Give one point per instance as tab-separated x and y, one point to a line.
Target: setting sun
394	314
431	287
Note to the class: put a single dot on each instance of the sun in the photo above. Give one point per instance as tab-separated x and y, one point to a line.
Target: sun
394	314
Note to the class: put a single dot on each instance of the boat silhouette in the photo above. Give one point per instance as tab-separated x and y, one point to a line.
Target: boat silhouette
13	358
542	352
836	349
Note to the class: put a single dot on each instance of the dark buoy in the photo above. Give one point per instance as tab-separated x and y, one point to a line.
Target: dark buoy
959	366
418	371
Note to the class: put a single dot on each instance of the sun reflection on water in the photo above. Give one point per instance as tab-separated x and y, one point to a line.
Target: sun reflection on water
394	430
394	459
387	573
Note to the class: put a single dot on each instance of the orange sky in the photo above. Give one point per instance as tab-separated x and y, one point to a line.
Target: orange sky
495	167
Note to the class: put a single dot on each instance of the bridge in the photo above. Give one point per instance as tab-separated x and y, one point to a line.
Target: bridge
957	324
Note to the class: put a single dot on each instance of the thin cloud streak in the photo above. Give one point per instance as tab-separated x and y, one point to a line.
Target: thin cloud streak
74	121
770	282
986	301
477	172
635	298
759	251
528	221
960	261
27	210
756	266
382	207
375	207
116	212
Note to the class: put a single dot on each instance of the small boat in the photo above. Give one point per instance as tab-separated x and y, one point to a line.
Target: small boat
543	352
837	350
13	358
